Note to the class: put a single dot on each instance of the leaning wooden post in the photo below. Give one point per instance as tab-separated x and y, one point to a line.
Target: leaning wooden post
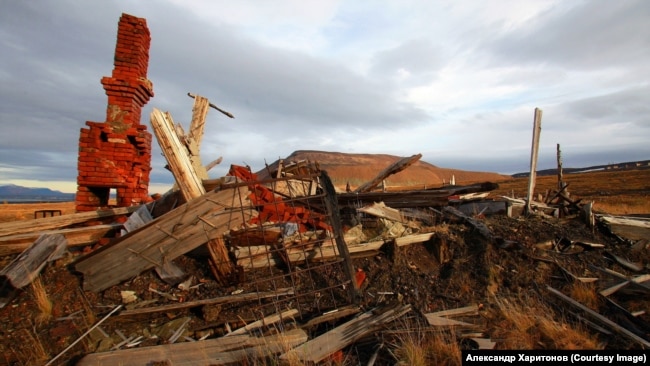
335	218
537	129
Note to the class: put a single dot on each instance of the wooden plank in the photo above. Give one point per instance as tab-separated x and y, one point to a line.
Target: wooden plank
170	235
190	185
27	266
412	239
603	320
439	321
626	227
218	351
380	210
76	237
59	222
331	316
214	301
466	310
267	320
639	279
317	349
394	168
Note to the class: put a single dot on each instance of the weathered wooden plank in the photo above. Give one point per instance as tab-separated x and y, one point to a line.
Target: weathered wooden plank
267	320
639	279
380	210
412	239
394	168
478	225
59	222
534	151
75	237
27	266
214	301
324	345
170	235
439	321
219	351
190	185
627	227
466	310
603	320
331	316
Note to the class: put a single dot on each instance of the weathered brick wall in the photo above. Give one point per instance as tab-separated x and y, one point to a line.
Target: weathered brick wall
116	154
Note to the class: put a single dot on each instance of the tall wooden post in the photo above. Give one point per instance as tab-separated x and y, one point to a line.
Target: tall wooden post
537	129
560	181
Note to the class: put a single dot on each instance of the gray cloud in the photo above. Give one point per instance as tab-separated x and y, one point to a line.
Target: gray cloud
591	34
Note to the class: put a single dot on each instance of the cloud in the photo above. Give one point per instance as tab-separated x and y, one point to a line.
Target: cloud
456	81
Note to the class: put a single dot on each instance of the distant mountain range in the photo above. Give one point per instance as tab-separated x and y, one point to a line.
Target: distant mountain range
642	164
13	192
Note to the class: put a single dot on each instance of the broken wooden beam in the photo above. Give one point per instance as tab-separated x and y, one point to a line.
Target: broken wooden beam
167	237
180	164
394	168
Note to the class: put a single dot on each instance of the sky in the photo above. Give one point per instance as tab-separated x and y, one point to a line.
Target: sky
457	81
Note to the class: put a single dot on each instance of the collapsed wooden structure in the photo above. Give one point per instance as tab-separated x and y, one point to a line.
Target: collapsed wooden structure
287	241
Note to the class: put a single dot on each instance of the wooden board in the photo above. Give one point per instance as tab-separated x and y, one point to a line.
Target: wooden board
220	351
75	237
170	235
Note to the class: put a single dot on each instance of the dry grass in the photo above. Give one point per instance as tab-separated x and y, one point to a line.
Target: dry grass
585	294
530	324
43	302
414	348
25	211
622	192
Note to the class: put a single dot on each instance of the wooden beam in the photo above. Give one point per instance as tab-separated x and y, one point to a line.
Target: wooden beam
394	168
335	221
534	151
252	296
190	185
613	326
76	237
241	349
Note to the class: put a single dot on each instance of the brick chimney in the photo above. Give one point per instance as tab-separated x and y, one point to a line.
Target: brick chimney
116	154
